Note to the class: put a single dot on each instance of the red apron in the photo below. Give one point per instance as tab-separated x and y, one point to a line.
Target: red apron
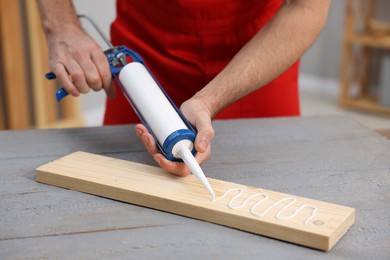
186	43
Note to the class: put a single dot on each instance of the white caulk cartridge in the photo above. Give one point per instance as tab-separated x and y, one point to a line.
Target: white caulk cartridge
172	132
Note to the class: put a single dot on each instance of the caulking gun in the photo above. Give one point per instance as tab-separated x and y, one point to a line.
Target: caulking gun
173	134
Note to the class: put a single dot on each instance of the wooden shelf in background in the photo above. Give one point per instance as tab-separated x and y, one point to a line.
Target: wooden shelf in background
366	104
384	132
15	91
356	62
371	40
27	98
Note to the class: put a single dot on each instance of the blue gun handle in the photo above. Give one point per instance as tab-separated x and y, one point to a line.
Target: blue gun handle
61	93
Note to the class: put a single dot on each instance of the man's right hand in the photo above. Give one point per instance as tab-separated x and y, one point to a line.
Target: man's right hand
74	57
79	63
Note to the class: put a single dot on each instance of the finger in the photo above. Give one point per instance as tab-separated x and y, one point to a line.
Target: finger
64	79
146	138
149	143
202	157
103	68
78	77
140	129
177	168
92	76
110	90
205	134
86	63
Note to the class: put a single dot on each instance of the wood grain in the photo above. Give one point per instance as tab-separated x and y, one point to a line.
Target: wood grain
362	33
13	60
152	187
48	113
384	132
44	102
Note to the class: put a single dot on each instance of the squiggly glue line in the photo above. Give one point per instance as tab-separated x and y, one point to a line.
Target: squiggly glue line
264	198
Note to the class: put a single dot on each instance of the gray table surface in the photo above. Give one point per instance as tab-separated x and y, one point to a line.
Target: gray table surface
328	158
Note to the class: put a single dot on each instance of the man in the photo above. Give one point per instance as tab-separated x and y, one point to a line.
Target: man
215	58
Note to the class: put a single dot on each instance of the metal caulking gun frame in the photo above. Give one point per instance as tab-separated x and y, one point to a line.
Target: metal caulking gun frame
118	59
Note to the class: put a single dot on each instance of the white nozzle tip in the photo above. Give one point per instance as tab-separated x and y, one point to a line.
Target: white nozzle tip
191	162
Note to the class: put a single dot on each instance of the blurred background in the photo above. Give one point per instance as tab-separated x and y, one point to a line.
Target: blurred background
347	70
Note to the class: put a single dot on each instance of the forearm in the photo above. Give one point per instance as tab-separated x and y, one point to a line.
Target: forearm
57	16
268	54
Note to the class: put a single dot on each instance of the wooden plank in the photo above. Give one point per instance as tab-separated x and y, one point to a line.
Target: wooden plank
2	112
2	122
48	112
71	112
13	60
67	123
384	132
347	52
295	219
45	105
369	104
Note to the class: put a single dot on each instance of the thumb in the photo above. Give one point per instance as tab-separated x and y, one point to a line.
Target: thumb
110	90
205	134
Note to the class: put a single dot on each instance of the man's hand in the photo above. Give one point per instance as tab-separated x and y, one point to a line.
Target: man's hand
75	58
199	116
79	63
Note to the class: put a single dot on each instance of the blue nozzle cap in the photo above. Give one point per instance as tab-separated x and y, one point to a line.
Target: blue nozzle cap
172	139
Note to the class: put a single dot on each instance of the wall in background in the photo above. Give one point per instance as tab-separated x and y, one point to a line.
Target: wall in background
323	58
